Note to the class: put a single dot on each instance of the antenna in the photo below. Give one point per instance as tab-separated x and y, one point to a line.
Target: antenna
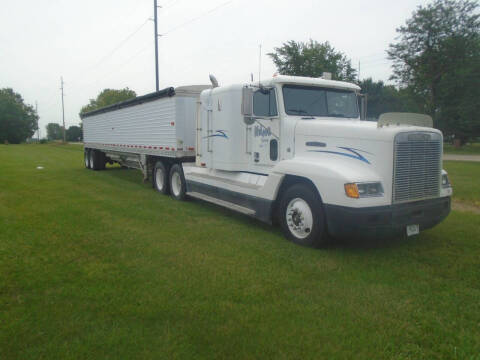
259	62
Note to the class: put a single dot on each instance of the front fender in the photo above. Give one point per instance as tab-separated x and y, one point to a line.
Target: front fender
329	177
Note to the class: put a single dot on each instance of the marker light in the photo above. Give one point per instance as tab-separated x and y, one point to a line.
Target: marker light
445	181
352	190
362	190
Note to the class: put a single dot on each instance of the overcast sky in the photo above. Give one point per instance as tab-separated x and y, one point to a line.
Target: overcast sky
97	44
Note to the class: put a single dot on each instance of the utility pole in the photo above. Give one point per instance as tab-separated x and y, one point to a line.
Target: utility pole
155	20
259	63
358	70
63	110
38	127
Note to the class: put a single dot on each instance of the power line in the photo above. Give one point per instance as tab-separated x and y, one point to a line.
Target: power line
120	44
169	4
116	71
196	18
371	55
382	63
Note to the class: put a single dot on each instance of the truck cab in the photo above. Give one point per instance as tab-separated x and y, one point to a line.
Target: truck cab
294	150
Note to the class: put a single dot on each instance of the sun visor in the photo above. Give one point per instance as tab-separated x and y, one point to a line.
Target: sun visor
405	119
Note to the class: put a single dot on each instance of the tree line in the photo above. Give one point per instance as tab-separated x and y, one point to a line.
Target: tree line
105	98
436	67
436	70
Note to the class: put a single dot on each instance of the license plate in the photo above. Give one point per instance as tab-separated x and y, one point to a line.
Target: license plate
413	230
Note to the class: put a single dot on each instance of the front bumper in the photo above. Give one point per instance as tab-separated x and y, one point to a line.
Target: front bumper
384	221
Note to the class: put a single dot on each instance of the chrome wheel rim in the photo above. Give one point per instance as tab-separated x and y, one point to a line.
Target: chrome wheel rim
176	183
299	218
159	178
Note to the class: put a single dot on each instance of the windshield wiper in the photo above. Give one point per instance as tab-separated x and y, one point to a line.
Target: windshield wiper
300	111
337	115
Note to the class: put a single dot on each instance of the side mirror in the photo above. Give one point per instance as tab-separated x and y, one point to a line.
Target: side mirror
247	101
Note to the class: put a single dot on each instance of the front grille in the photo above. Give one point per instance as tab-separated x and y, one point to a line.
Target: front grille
417	166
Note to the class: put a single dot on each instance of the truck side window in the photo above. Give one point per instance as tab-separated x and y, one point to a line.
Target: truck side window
265	104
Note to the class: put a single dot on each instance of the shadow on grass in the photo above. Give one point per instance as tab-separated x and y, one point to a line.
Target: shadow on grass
333	244
350	244
360	244
127	174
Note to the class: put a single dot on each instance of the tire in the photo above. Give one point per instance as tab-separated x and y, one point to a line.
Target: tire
101	160
160	178
178	187
93	159
301	216
86	158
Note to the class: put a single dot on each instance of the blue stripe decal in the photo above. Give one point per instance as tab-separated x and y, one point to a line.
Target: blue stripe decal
354	154
219	133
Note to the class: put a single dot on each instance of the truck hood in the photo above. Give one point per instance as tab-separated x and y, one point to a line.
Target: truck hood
353	129
358	151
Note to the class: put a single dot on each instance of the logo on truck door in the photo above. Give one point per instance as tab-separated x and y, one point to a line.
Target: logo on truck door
262	131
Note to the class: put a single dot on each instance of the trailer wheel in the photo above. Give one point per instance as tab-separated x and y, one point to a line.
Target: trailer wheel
178	186
93	159
301	216
101	160
160	178
86	157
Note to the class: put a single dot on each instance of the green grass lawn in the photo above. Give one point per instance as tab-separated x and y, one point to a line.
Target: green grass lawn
96	265
469	149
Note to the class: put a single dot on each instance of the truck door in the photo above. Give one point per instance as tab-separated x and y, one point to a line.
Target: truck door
265	131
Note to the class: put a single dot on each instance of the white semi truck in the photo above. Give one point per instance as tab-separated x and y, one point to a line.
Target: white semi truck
287	150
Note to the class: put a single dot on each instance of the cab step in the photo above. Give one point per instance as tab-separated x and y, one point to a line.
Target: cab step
222	203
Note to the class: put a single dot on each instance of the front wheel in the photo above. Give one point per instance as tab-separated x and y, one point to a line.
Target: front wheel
301	216
178	187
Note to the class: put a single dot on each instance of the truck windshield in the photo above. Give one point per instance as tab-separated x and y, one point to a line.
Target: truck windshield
317	101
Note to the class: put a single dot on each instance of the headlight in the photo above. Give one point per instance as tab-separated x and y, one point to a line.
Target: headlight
362	190
445	181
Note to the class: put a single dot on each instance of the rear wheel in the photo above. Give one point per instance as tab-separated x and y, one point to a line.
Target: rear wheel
178	187
93	159
160	178
101	160
86	157
301	216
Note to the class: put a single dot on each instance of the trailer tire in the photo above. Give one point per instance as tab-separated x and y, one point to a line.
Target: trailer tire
178	186
301	216
93	159
160	178
101	160
86	158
